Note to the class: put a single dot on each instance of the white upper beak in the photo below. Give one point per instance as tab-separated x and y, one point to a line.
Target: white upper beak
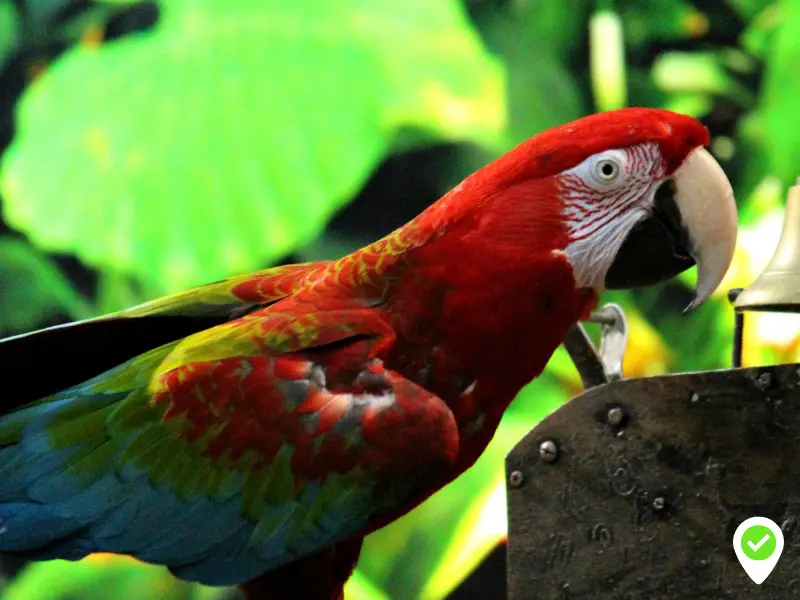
705	200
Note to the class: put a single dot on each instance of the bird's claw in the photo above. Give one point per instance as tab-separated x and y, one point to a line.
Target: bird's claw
598	366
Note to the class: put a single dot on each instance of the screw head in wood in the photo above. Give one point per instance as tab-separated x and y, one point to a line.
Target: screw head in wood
515	479
615	416
548	451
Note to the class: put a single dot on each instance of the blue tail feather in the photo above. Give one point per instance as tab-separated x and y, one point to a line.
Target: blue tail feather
26	526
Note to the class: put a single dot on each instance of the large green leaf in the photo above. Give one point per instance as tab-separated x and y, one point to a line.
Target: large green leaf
33	289
228	134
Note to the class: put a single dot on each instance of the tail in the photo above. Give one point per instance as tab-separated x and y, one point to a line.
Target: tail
74	444
48	361
58	462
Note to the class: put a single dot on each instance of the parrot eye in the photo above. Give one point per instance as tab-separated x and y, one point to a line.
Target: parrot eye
606	170
603	171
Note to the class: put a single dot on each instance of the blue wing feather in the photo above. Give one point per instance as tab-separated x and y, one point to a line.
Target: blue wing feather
98	467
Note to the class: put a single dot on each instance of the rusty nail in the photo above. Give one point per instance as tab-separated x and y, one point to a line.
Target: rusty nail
548	451
515	479
615	416
659	503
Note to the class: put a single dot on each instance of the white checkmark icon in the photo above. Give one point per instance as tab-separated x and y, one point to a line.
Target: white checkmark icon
758	558
761	542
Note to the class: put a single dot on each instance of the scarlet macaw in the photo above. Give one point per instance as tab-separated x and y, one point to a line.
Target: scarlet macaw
256	429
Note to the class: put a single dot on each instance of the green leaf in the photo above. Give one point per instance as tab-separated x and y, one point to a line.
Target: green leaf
757	39
693	104
33	289
748	9
9	29
774	126
535	39
117	291
227	135
101	577
678	72
360	588
691	78
660	20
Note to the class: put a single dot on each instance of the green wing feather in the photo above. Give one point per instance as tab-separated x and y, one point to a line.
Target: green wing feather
220	455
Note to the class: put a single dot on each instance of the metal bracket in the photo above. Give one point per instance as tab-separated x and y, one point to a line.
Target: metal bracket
603	365
633	490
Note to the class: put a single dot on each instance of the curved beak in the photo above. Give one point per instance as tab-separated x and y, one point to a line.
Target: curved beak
693	222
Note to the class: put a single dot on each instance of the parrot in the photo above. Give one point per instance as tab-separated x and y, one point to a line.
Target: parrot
254	430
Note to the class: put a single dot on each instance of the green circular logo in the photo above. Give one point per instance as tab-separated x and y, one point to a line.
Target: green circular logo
758	542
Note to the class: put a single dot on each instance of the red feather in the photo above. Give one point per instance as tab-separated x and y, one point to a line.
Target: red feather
475	288
391	367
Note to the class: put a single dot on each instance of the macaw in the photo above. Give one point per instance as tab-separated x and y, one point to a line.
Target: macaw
253	431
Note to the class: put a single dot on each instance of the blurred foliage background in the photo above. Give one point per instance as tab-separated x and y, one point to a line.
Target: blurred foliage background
153	146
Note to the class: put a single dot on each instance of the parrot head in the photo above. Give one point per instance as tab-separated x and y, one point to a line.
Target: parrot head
630	197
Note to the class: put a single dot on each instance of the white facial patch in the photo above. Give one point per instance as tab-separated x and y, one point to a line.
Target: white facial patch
604	197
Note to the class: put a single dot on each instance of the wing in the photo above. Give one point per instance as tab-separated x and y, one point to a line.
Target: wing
46	362
231	297
226	454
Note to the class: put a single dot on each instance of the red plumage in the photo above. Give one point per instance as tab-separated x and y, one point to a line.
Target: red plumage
386	372
475	289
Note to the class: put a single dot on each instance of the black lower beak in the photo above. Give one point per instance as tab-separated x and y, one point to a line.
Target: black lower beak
656	249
